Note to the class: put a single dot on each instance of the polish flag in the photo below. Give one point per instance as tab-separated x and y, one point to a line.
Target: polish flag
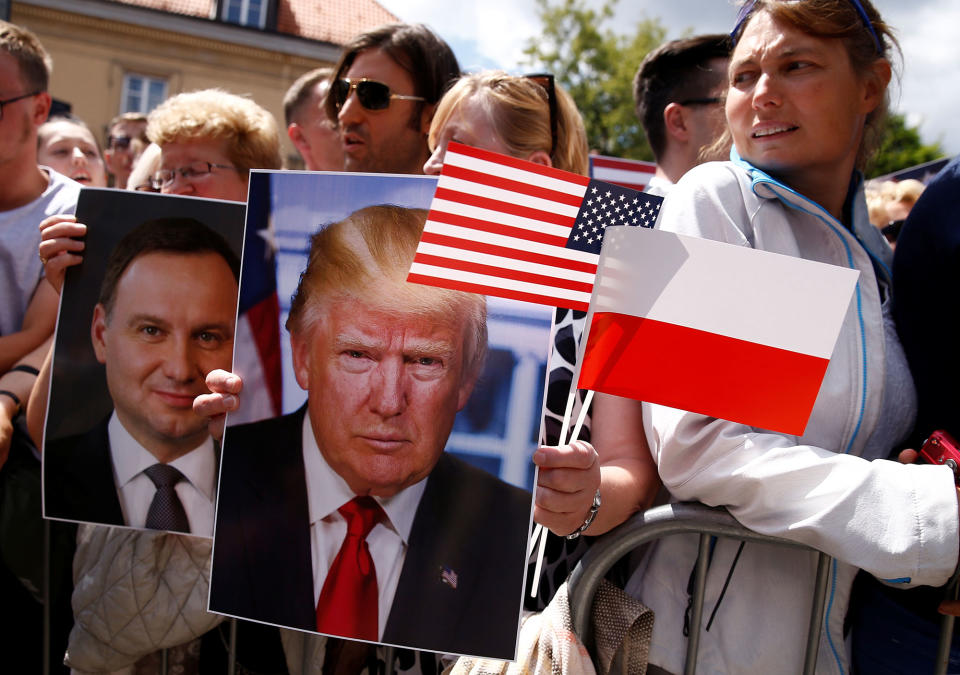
722	330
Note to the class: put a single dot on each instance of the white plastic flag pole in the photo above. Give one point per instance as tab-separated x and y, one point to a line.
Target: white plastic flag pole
539	530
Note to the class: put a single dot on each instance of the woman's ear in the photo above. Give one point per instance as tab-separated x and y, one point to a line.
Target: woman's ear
539	157
875	85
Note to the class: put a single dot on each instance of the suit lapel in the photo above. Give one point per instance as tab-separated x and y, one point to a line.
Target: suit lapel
434	587
278	532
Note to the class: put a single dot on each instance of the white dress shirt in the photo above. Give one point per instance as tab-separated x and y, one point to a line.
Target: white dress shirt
136	490
387	541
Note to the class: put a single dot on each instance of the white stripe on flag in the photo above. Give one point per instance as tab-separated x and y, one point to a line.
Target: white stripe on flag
454	158
499	282
508	196
739	292
503	262
612	175
510	242
501	218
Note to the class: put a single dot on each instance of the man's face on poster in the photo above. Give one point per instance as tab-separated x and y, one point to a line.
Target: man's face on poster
384	388
171	323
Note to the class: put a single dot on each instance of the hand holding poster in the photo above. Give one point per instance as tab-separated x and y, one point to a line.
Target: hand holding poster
722	330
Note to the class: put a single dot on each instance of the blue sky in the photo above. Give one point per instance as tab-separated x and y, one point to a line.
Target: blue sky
493	33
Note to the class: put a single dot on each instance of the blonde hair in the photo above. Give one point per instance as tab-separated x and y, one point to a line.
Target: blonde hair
249	131
908	191
366	257
519	110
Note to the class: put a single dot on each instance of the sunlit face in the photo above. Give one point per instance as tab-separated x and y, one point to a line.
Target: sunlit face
383	141
20	118
795	106
220	183
171	324
384	388
71	149
469	124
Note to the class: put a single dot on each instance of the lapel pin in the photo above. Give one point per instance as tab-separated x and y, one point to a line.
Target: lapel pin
448	577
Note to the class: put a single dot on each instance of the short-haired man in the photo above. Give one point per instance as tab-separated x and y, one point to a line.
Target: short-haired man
163	320
312	133
125	133
678	92
386	365
28	194
383	94
209	140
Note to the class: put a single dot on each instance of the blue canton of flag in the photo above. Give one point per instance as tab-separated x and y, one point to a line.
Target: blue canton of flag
604	205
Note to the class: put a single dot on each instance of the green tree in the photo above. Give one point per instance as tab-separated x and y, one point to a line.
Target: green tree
900	148
597	65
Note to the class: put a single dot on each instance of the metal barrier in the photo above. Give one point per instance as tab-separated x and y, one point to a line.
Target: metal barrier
695	518
682	518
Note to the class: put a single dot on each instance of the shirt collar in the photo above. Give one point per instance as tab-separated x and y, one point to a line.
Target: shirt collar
199	465
327	491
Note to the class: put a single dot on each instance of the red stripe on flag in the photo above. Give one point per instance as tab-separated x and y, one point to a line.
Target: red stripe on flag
503	272
702	372
522	164
507	252
504	207
264	319
496	228
496	291
491	180
623	164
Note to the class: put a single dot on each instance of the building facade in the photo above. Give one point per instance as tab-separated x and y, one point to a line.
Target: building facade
113	56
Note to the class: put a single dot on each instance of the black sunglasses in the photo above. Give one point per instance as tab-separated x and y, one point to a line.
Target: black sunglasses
373	95
119	142
545	80
711	100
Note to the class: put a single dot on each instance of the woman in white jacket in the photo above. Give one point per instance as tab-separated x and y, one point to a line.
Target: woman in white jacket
807	92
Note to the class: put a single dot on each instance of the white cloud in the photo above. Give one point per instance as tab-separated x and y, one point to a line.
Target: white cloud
493	33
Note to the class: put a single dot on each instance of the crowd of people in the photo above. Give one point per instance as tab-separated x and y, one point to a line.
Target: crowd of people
760	139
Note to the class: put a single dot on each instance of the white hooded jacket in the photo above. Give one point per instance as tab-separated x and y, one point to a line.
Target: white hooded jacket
897	522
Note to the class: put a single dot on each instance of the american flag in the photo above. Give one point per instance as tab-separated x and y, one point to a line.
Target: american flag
629	173
513	229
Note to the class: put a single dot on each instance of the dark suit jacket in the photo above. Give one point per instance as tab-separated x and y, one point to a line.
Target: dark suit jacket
468	521
78	478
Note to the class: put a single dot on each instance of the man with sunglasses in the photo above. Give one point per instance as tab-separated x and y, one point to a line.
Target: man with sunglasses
677	92
383	95
120	151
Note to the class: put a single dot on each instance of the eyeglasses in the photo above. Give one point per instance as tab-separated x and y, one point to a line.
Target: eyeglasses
546	81
747	7
17	98
119	142
372	95
164	177
711	100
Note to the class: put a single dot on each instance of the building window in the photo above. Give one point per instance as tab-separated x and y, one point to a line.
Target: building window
142	93
245	12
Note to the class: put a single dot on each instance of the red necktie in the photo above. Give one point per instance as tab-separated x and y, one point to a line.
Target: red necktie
348	601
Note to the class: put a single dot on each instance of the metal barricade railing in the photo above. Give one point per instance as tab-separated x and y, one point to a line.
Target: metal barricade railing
695	518
682	518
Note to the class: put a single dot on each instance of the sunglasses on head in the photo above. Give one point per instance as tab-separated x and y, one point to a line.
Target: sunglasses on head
372	95
747	7
545	80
